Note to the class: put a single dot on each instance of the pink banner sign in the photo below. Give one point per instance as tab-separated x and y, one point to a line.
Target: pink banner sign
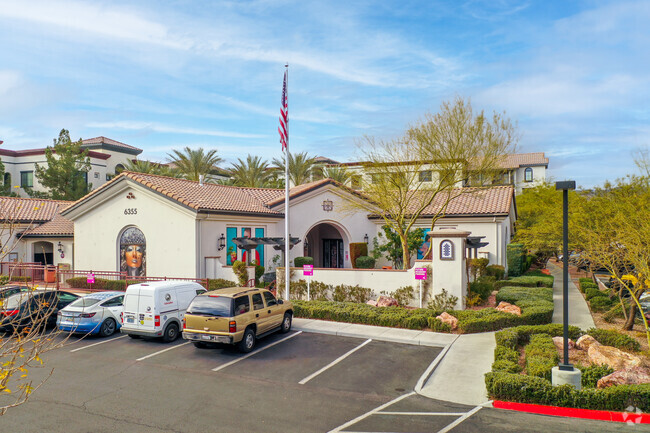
420	273
308	270
90	279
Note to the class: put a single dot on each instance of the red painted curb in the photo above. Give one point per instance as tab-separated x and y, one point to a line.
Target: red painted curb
598	415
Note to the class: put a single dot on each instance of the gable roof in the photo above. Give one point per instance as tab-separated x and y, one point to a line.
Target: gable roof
110	144
59	226
517	160
495	200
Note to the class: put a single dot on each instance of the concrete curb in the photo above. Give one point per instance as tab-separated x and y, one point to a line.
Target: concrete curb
380	333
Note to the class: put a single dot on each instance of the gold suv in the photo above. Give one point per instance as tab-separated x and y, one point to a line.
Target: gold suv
238	315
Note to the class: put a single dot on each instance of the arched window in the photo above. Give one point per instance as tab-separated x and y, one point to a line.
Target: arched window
528	174
446	250
132	251
119	168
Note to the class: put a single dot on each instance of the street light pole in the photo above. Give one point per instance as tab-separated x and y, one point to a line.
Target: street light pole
565	373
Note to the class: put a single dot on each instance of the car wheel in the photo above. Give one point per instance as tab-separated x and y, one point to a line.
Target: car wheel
108	327
200	345
135	337
171	333
286	323
248	342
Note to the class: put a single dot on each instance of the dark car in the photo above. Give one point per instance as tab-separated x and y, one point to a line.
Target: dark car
33	308
11	289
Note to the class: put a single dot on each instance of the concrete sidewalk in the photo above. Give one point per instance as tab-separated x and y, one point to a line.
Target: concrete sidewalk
579	313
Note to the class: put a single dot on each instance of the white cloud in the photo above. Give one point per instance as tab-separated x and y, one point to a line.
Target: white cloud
158	127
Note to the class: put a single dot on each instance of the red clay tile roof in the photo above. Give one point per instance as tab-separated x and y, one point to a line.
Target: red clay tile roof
27	210
517	160
104	140
495	200
58	226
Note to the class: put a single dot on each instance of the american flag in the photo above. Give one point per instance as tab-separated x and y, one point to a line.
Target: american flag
284	115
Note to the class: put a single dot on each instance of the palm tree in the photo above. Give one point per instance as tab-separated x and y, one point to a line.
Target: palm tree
253	173
301	167
140	166
339	174
195	163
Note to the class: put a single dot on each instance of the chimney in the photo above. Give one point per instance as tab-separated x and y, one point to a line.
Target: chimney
201	179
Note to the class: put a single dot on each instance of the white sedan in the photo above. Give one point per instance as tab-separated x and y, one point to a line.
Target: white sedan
96	313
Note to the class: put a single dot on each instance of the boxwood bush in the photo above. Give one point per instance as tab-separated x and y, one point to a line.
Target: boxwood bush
496	271
100	284
591	292
611	337
593	373
541	356
600	304
220	283
300	261
527	281
365	262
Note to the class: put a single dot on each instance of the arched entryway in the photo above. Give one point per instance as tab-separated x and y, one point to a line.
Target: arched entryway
327	244
43	252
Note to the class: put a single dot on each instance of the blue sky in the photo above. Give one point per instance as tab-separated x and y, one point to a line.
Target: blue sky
161	75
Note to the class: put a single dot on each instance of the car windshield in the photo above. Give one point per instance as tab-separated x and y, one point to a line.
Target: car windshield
211	306
85	302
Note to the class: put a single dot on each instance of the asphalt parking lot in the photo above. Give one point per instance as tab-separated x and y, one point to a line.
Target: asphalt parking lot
296	382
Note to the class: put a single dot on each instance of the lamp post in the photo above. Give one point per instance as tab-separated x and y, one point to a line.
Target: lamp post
565	373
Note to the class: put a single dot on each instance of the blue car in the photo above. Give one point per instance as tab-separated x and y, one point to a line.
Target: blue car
97	313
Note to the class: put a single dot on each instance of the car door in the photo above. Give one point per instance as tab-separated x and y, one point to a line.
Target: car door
273	309
261	316
113	308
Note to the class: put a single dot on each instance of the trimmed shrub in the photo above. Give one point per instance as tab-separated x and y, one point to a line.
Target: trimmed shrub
100	284
610	337
593	373
22	279
404	295
506	366
591	293
350	312
527	389
600	304
345	293
515	294
584	285
300	261
220	283
516	256
365	262
358	249
239	268
541	356
506	354
477	267
497	271
481	288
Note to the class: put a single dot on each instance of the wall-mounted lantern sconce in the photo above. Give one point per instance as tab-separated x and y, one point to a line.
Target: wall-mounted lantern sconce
60	249
221	242
365	238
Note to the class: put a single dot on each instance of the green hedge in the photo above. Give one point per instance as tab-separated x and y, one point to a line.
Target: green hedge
482	287
351	312
220	283
300	261
610	337
516	294
516	257
541	356
584	285
520	335
591	293
529	389
600	304
100	284
496	271
20	279
365	262
593	373
357	249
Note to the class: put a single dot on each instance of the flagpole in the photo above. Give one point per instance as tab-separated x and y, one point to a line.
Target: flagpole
287	240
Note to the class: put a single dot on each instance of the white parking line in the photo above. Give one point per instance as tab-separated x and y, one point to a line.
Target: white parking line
163	351
461	419
333	363
234	361
422	413
367	414
96	344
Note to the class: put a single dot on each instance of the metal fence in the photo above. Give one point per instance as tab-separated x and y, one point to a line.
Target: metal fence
23	271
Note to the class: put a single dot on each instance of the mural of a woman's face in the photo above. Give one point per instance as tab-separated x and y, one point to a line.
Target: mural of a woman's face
133	256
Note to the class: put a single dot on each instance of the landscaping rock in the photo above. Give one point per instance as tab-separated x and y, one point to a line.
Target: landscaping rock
509	308
615	358
585	341
387	301
449	319
629	376
559	343
371	302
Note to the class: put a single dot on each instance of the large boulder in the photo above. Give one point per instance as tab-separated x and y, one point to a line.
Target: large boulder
585	342
387	301
629	376
615	358
559	343
449	319
508	308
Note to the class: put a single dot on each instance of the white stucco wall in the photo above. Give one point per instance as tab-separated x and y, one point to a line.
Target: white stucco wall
539	177
170	232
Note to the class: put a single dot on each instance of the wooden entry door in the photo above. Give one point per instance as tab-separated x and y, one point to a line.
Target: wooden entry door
332	253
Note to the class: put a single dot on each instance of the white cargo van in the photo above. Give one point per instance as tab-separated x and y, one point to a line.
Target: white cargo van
157	308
